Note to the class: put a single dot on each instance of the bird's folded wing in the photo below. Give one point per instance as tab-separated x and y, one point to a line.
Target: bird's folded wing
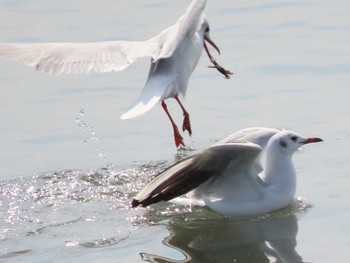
80	58
257	135
189	173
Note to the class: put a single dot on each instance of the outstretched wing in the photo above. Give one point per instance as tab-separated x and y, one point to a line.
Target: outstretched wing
102	57
81	58
189	173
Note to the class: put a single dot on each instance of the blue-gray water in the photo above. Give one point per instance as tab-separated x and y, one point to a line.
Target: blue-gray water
70	166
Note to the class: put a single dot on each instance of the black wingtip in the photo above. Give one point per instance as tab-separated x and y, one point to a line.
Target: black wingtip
135	203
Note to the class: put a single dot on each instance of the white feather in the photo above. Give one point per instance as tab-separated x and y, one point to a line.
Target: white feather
174	54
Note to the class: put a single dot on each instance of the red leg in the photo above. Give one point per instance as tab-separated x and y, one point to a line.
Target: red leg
178	138
186	126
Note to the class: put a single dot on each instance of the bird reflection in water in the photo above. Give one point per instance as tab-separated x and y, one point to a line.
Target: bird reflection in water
269	239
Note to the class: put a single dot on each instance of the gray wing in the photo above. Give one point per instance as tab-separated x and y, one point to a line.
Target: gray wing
190	173
257	135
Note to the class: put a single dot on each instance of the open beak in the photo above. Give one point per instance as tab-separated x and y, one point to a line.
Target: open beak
207	38
312	140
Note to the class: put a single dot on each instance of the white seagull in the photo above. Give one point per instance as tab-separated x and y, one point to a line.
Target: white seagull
228	177
174	54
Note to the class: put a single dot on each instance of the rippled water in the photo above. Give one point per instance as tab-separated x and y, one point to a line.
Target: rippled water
70	167
43	205
95	205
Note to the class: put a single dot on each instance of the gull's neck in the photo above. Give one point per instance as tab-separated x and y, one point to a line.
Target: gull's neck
279	175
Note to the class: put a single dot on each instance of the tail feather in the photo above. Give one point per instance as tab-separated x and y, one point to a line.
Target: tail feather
140	106
156	88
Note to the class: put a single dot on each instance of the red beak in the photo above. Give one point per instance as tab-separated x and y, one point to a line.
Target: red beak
206	38
312	140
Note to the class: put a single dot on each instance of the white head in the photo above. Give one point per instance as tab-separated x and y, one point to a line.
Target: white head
288	141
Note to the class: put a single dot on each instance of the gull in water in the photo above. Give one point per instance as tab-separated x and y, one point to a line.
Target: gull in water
229	177
174	55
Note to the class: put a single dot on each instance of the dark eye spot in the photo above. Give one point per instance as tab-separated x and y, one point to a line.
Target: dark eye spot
283	143
294	138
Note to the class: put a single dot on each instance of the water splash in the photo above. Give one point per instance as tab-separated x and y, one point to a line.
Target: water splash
85	125
88	208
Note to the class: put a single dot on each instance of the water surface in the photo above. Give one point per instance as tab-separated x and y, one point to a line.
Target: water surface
70	166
